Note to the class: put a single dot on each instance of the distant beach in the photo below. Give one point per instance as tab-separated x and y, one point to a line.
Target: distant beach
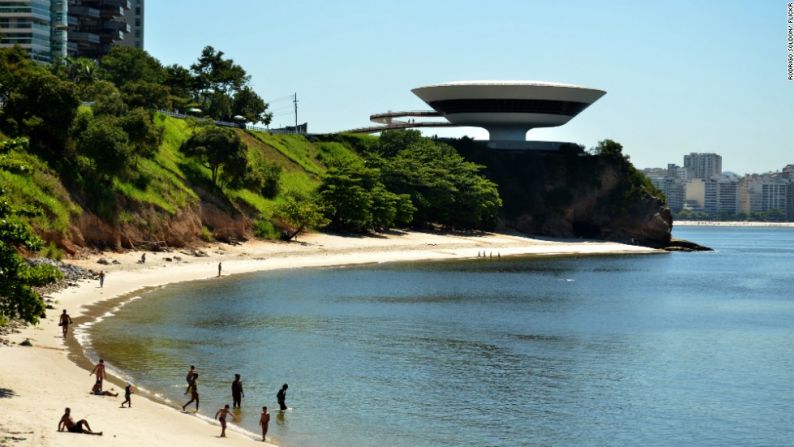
709	223
38	382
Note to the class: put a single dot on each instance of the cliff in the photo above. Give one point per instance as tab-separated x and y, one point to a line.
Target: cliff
573	193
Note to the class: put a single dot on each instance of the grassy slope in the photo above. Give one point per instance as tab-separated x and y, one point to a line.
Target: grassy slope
168	181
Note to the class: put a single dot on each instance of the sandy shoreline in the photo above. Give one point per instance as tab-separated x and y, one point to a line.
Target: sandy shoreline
37	382
709	223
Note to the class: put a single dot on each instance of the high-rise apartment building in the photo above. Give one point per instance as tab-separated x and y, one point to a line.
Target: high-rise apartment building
721	194
38	26
52	29
95	25
703	165
134	18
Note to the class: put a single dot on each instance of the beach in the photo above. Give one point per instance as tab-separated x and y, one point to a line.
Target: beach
38	382
710	223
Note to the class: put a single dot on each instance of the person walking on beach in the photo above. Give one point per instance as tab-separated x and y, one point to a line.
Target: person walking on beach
194	395
237	391
264	420
127	396
64	322
99	370
221	416
220	268
69	425
281	396
101	279
191	374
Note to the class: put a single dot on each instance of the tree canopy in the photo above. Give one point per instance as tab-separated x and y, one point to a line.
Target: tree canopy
216	147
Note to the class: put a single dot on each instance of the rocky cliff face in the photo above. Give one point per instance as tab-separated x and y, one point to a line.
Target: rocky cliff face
574	194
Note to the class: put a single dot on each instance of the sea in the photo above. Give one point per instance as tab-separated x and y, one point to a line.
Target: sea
674	349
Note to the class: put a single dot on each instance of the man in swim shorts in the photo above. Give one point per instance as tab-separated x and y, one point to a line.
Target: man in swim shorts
221	416
69	425
99	370
64	322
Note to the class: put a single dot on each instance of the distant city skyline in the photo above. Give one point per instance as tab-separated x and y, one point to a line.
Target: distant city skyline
680	77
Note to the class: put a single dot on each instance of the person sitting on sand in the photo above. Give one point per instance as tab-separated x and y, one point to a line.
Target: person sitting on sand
194	395
97	390
99	370
264	420
221	416
64	322
69	425
127	396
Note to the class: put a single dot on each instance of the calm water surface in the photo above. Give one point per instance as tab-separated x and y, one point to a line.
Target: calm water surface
669	350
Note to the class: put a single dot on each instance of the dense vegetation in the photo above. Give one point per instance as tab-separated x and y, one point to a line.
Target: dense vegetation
87	159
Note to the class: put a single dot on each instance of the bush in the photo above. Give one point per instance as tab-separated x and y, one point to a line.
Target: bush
206	235
264	229
52	251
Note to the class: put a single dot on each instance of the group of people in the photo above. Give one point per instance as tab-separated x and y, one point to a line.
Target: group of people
237	397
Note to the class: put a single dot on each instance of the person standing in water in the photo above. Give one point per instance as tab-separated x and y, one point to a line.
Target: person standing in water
281	396
221	416
264	420
191	373
64	322
220	268
237	391
194	395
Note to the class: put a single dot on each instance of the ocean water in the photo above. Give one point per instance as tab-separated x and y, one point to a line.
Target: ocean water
671	350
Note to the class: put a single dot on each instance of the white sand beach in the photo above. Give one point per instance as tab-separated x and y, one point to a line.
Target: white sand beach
709	223
38	382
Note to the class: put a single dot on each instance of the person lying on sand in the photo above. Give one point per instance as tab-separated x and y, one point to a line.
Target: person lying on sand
69	425
97	390
221	416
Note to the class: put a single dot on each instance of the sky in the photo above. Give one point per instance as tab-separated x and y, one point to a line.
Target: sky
680	76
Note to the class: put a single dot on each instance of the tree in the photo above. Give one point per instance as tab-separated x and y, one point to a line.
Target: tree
299	212
214	73
354	199
106	97
17	297
82	71
444	188
42	107
148	95
251	106
214	147
142	133
127	64
105	141
180	82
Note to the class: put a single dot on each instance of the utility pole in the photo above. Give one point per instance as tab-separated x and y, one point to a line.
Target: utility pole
295	102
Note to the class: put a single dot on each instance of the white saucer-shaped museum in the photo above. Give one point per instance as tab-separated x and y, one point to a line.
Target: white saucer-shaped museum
508	109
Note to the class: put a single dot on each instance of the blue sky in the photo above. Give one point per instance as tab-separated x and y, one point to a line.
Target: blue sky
680	76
